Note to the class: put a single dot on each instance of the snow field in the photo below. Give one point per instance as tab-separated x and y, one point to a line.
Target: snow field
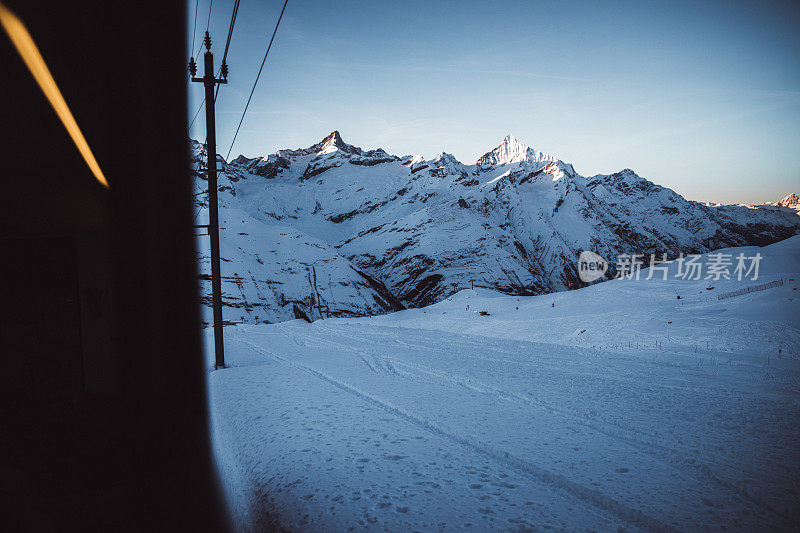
442	418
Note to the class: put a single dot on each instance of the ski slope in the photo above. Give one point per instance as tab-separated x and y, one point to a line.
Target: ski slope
614	406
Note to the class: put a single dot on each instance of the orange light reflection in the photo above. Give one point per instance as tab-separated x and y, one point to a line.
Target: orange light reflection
27	49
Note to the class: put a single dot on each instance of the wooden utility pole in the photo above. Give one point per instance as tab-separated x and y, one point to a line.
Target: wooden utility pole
210	81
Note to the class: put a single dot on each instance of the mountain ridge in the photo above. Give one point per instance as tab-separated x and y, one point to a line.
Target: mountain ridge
425	228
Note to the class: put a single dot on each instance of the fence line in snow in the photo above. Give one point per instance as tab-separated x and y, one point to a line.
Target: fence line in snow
751	288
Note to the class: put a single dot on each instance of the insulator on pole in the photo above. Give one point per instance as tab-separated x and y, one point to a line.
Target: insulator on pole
224	70
192	67
207	41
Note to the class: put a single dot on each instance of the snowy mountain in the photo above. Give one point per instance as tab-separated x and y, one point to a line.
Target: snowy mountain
792	201
335	230
513	151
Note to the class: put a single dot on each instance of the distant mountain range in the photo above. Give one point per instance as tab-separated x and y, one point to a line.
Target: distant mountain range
334	230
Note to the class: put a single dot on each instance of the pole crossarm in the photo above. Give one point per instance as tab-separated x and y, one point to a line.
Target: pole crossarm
216	80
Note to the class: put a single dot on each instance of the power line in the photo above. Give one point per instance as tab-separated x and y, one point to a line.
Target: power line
200	107
256	81
228	40
230	29
197	54
227	45
208	23
194	25
210	7
197	113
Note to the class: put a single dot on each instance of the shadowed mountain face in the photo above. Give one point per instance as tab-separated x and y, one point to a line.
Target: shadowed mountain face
335	230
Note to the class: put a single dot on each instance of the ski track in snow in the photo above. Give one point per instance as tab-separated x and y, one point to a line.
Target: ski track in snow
694	462
594	497
682	457
439	419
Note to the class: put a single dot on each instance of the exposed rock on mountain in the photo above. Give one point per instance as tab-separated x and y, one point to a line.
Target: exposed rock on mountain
513	151
790	201
339	231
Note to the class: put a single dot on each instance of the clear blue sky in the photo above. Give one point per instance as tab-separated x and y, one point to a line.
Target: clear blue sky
702	97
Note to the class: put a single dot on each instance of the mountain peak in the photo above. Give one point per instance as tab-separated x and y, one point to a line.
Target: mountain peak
790	201
333	142
334	137
445	160
512	150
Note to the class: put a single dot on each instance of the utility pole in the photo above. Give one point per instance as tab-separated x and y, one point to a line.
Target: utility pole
210	82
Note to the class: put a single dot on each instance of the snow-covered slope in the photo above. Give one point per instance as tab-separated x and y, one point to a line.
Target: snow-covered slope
612	407
630	313
423	229
272	272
